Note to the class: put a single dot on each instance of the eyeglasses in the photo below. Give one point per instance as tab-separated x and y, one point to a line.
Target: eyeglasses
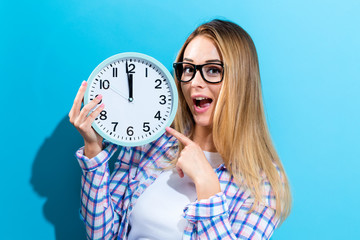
210	72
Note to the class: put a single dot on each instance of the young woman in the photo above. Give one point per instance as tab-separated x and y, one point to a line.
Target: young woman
215	176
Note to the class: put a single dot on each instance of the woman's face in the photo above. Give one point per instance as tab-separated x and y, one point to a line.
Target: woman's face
201	96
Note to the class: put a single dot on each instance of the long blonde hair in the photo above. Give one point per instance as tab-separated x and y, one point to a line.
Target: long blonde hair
240	132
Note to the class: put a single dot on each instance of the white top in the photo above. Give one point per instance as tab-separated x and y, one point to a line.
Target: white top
158	213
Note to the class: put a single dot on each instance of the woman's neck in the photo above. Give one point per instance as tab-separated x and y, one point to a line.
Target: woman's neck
204	138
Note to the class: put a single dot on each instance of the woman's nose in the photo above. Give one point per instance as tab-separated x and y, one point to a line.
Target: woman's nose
198	80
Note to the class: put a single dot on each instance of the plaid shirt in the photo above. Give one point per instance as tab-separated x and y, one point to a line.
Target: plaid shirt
107	200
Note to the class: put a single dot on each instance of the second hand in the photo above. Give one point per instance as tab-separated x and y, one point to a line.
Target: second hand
119	93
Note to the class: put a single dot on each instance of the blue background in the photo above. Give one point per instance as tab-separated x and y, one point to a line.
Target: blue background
310	67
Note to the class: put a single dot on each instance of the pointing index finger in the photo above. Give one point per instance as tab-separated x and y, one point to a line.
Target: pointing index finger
181	137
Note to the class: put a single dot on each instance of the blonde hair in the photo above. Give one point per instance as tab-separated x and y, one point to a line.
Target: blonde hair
240	132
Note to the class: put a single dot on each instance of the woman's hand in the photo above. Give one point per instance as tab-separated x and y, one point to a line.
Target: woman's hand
81	119
194	164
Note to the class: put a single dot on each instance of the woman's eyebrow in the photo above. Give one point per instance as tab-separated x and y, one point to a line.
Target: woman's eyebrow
207	61
188	59
213	60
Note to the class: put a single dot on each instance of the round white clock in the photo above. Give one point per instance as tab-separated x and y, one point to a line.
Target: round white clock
139	95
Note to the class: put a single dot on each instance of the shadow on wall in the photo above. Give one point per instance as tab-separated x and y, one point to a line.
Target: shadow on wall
56	176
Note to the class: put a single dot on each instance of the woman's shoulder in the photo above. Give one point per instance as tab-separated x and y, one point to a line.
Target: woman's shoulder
268	195
237	188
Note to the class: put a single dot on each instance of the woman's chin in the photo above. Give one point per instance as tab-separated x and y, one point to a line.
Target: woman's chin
203	122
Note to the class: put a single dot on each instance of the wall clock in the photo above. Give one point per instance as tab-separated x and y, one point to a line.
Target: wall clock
139	95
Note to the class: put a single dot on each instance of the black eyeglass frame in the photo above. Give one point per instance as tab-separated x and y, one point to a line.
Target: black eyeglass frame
198	67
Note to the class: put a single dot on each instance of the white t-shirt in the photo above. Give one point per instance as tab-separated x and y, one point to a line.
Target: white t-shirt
158	213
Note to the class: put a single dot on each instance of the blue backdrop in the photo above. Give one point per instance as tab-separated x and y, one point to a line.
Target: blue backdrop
310	67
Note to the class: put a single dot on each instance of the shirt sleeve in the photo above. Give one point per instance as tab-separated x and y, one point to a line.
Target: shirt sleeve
212	220
96	206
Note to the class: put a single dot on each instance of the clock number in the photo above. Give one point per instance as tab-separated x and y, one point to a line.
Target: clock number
103	115
157	115
115	72
104	84
146	127
158	81
131	68
130	131
115	125
100	100
163	99
95	97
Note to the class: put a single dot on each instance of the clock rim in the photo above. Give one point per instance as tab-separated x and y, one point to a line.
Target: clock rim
170	80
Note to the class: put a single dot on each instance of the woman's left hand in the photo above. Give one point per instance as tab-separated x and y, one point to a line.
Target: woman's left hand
193	163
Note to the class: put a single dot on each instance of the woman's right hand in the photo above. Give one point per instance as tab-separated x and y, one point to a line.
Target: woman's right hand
81	119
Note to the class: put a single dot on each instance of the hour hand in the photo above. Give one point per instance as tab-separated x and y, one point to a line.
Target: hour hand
130	83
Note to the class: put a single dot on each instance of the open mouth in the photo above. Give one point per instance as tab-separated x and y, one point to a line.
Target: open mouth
202	102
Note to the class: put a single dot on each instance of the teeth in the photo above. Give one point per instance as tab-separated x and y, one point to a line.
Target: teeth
200	98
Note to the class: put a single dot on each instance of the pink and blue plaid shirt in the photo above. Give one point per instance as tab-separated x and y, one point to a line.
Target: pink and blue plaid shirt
107	200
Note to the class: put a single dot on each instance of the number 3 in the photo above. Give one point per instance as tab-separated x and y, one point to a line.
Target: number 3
163	99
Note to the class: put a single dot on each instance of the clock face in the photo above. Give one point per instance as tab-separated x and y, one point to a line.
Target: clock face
139	95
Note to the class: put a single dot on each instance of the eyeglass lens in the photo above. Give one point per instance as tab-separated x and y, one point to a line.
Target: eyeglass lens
211	72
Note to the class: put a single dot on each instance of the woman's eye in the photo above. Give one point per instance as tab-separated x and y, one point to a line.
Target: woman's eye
213	71
188	69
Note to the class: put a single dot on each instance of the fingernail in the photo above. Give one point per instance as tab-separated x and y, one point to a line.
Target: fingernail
102	105
99	96
83	83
